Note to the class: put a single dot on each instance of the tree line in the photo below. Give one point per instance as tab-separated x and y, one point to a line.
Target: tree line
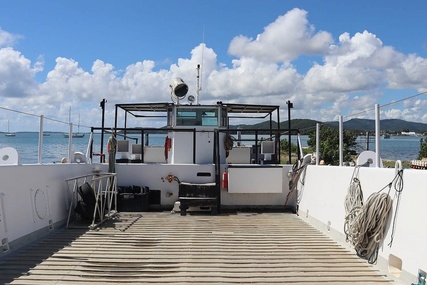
329	145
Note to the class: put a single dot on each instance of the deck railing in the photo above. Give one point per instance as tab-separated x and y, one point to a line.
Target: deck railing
104	187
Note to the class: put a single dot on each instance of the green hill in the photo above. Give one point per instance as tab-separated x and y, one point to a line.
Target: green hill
387	125
301	124
363	125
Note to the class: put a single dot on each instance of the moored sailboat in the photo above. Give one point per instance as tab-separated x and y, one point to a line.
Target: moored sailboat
78	134
9	133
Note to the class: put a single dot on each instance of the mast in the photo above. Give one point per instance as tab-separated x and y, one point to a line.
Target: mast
69	115
199	71
78	126
198	84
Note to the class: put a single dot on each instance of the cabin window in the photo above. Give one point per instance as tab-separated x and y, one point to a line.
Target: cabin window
197	117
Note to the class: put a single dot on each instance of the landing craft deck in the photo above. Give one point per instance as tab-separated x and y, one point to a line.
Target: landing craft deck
162	248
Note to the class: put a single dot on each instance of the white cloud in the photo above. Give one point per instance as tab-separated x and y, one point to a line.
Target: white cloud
410	72
284	40
357	63
69	81
16	74
392	114
7	39
351	77
250	78
362	62
143	84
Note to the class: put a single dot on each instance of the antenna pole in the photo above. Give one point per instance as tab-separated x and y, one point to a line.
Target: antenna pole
199	70
198	84
102	105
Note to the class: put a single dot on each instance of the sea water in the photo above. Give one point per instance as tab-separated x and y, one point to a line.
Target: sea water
404	148
55	146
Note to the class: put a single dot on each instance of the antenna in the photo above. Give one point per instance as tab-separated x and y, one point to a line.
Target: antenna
200	70
198	84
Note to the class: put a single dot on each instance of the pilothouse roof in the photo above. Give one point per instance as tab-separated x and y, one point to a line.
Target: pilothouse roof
136	109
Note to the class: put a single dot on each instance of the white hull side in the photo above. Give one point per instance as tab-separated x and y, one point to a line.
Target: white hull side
34	198
322	203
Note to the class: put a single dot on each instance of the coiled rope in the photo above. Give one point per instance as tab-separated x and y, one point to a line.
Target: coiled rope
297	176
367	230
366	223
354	197
228	142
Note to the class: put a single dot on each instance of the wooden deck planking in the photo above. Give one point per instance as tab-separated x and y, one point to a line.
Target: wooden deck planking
161	248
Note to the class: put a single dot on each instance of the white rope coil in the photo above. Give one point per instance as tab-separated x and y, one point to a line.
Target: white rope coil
354	197
366	223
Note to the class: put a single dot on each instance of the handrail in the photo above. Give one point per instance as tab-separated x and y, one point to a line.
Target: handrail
104	186
142	132
272	133
41	130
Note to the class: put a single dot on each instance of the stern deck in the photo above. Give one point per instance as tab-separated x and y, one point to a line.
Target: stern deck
164	248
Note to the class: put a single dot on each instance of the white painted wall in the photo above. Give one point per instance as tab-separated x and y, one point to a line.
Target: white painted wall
251	180
19	183
182	147
239	155
154	176
255	187
323	198
154	154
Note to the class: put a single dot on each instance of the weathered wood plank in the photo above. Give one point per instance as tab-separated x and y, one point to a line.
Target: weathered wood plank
160	248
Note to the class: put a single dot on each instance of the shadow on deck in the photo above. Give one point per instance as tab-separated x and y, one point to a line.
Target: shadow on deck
165	248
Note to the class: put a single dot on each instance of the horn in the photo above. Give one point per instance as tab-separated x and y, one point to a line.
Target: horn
178	87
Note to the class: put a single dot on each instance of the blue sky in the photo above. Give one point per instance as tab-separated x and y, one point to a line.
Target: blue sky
329	58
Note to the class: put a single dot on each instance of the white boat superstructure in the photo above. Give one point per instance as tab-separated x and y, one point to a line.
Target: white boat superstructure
207	197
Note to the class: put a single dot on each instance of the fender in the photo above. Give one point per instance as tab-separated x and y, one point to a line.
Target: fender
168	145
